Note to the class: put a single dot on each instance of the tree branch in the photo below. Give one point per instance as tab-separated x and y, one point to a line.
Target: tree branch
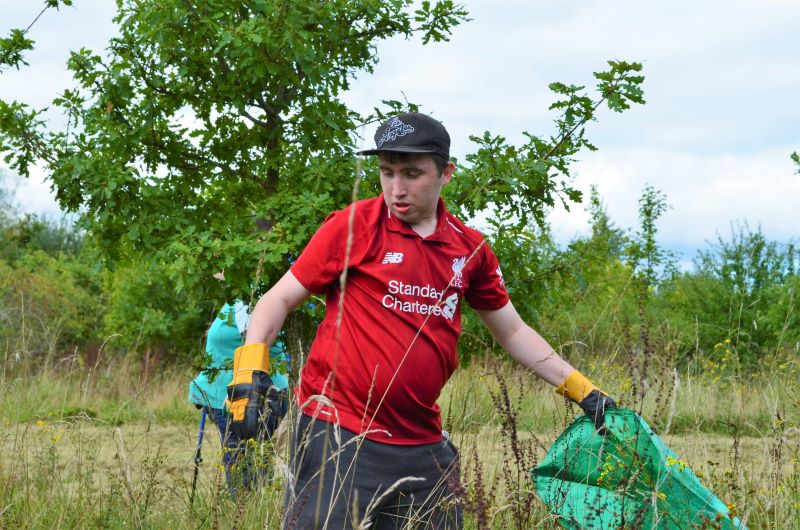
255	120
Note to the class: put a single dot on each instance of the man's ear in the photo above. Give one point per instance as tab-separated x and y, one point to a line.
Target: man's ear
447	172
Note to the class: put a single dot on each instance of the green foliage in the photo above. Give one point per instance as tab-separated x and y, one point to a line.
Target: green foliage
796	159
530	261
149	316
619	292
606	239
590	309
592	258
522	183
49	289
48	302
207	115
651	264
37	232
13	47
744	289
57	291
21	145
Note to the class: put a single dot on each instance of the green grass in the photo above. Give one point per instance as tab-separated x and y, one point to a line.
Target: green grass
110	395
104	448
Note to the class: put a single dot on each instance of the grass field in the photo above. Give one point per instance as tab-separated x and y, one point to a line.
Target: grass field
99	449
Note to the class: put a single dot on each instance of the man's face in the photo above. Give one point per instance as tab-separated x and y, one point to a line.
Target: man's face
411	186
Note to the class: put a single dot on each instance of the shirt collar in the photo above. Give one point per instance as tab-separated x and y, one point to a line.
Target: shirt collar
443	225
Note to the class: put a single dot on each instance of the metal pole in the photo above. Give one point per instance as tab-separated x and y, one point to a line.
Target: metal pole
197	457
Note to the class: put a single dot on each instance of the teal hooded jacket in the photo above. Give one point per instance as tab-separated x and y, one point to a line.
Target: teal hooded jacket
225	335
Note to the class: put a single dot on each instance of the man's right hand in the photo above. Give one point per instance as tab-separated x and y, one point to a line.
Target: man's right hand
249	393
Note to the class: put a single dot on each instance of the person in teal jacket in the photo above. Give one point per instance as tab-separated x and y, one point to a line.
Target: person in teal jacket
208	389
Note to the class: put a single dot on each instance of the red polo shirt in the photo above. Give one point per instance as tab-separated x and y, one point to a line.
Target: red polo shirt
382	371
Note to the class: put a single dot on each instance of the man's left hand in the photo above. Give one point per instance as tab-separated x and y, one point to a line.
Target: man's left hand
591	399
595	405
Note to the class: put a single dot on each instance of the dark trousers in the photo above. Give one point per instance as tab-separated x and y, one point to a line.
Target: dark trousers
340	480
243	467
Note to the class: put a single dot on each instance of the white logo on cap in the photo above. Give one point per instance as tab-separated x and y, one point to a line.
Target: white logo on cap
396	128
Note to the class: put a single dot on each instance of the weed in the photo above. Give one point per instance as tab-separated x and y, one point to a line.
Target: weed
107	454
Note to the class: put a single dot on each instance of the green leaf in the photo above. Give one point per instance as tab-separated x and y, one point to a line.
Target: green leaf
12	49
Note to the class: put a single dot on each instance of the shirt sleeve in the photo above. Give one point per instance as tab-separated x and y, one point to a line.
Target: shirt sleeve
487	288
322	261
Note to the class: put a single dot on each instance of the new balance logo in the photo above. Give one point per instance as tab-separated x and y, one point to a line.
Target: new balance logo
450	306
392	257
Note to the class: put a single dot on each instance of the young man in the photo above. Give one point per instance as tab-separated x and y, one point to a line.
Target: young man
369	448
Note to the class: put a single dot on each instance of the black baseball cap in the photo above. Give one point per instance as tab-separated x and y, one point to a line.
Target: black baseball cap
411	132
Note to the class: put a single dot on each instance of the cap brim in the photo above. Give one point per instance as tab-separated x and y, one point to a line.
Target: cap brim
395	150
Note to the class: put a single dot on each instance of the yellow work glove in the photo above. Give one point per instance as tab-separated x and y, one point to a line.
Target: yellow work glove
591	399
251	394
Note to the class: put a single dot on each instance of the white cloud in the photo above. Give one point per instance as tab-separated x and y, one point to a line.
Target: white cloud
707	193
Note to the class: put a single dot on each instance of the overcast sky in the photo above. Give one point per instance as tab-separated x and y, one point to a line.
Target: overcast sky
722	88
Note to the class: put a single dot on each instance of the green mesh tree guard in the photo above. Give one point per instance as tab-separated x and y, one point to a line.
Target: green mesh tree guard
628	479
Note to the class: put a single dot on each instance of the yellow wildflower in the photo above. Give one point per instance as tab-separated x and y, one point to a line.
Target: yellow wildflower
671	461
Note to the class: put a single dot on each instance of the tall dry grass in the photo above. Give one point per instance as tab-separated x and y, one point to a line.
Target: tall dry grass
109	446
